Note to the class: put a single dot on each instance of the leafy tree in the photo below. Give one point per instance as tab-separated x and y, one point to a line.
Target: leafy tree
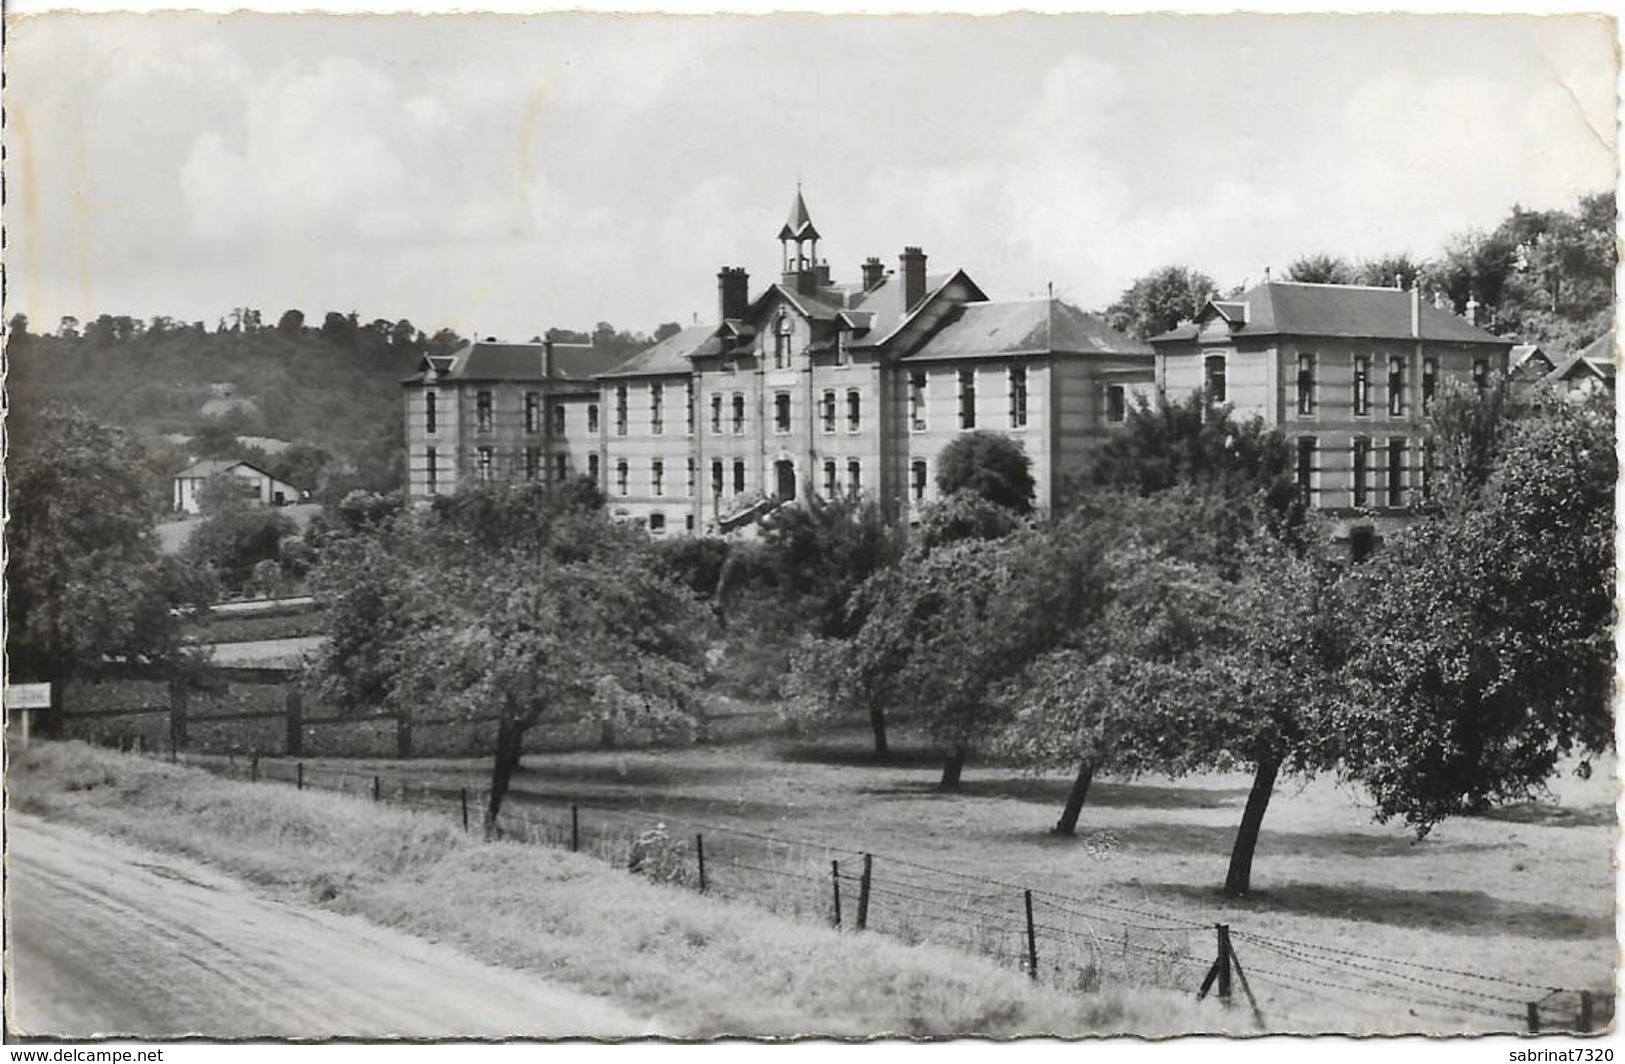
236	533
666	331
465	611
1321	269
991	465
1467	429
1388	271
292	322
18	329
1160	300
961	516
1487	632
86	587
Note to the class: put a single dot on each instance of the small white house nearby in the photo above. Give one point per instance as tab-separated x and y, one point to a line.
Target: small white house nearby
269	490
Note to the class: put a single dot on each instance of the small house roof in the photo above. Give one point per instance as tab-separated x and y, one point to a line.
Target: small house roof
1336	310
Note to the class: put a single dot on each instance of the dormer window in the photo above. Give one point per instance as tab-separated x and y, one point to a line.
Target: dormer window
843	346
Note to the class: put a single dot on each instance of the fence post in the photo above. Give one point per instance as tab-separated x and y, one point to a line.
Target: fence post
465	808
377	790
403	736
1534	1017
835	879
254	769
299	777
177	717
699	848
863	892
575	829
293	700
1221	967
1032	938
1585	1012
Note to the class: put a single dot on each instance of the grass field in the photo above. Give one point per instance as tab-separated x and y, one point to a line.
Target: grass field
1352	925
702	967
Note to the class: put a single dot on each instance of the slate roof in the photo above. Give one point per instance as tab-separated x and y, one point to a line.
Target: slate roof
491	360
1600	353
205	468
799	226
669	356
1022	327
1351	311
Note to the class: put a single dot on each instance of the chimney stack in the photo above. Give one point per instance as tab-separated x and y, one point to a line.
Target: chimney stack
1472	310
873	273
1416	310
913	271
733	292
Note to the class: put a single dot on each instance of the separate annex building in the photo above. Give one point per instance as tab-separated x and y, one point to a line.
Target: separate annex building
807	387
1348	373
268	490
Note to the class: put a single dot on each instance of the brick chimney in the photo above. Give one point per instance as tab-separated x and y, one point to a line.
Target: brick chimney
873	273
1472	310
912	261
733	292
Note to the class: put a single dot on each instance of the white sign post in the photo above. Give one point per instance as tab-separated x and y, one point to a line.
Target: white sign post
25	698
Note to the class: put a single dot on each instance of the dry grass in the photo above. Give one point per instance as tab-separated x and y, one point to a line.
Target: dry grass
703	967
1525	896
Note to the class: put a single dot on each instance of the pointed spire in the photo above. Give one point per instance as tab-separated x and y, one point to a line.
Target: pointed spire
800	226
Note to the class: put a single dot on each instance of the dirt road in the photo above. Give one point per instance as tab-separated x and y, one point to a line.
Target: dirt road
106	938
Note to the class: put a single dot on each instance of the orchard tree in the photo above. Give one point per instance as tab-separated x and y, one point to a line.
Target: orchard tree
1486	652
991	465
86	587
236	533
505	603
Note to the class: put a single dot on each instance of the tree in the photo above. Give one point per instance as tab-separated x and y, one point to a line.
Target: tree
18	329
1388	271
1321	269
666	330
990	464
537	628
236	533
1487	631
1160	300
292	322
86	587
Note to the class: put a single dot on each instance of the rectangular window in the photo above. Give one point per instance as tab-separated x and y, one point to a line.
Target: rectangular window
592	466
622	478
688	408
1359	470
1018	397
1116	404
917	474
854	411
739	414
1306	468
482	411
533	462
967	398
1362	385
432	461
716	479
1213	378
533	412
592	417
1430	383
657	523
739	478
916	401
430	413
843	347
854	478
487	464
657	476
1306	385
620	409
827	411
557	427
561	467
781	412
1481	373
716	414
692	474
830	484
657	411
1396	387
1396	471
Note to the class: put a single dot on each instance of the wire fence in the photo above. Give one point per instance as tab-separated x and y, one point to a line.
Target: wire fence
1075	943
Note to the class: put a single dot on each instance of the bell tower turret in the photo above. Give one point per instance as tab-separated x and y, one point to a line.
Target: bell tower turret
799	243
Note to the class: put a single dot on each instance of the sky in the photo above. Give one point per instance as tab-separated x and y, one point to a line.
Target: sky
502	175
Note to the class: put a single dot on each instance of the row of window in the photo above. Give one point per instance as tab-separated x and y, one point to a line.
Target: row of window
1308	387
1381	472
485	414
1017	410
